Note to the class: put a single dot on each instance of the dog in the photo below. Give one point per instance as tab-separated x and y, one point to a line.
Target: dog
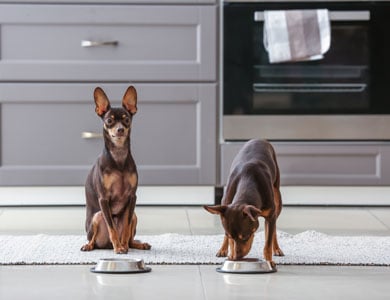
111	184
252	191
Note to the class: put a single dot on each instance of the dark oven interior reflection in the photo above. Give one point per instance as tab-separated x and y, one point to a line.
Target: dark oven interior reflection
352	77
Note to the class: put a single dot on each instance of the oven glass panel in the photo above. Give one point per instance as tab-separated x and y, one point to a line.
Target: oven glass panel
340	83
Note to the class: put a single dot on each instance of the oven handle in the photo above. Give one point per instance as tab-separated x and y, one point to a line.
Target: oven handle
309	87
359	15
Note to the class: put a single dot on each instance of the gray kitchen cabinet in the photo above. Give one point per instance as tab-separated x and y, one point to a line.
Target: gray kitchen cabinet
107	43
42	144
51	61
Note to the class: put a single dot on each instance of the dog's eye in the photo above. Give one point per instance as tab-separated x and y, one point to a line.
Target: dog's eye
109	121
244	238
125	119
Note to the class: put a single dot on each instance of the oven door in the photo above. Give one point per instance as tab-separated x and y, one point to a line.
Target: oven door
337	97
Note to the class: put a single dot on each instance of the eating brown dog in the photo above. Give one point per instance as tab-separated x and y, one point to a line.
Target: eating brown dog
111	185
252	191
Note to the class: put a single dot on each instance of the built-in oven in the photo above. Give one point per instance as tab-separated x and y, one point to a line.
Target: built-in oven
343	96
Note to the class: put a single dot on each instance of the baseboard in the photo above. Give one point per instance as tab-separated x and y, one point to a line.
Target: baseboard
199	195
146	195
336	195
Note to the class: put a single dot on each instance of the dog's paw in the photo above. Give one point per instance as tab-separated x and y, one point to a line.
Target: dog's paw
140	246
278	252
87	247
273	264
146	246
121	250
222	253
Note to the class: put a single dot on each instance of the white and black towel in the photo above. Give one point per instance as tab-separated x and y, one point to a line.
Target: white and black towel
296	35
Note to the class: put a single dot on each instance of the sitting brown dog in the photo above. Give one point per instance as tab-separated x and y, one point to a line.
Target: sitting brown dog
252	191
112	183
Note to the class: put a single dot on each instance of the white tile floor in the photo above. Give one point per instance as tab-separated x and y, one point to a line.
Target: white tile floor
196	281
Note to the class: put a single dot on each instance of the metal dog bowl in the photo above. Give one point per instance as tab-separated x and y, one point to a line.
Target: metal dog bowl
120	266
246	266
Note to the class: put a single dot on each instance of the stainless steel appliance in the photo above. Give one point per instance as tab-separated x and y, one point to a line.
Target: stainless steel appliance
344	96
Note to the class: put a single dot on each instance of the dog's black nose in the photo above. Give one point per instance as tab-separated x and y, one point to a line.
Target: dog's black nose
121	130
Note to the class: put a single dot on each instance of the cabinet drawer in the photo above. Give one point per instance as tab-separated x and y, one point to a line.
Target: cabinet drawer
110	43
323	163
173	135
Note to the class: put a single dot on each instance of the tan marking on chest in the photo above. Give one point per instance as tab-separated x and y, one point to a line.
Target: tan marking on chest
133	179
109	180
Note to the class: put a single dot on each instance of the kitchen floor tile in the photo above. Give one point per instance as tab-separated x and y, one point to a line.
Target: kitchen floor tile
382	214
46	220
331	220
202	222
159	220
77	282
299	282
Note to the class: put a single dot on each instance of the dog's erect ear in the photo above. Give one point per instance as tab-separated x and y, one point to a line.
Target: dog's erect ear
101	101
252	212
216	209
129	101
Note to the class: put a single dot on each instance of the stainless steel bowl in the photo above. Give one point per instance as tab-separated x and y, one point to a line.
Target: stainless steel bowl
120	266
246	266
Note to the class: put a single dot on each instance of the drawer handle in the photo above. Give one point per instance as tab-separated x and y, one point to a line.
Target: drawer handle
91	135
87	44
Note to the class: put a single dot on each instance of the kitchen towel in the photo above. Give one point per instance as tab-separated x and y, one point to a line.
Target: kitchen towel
296	35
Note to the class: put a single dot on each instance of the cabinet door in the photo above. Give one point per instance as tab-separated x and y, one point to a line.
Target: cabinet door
323	163
173	136
108	42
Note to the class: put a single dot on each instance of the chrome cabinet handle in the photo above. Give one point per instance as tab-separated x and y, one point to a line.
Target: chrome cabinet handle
91	135
88	44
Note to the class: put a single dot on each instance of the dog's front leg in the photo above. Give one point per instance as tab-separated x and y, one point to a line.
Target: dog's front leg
112	231
126	231
232	249
269	229
223	251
